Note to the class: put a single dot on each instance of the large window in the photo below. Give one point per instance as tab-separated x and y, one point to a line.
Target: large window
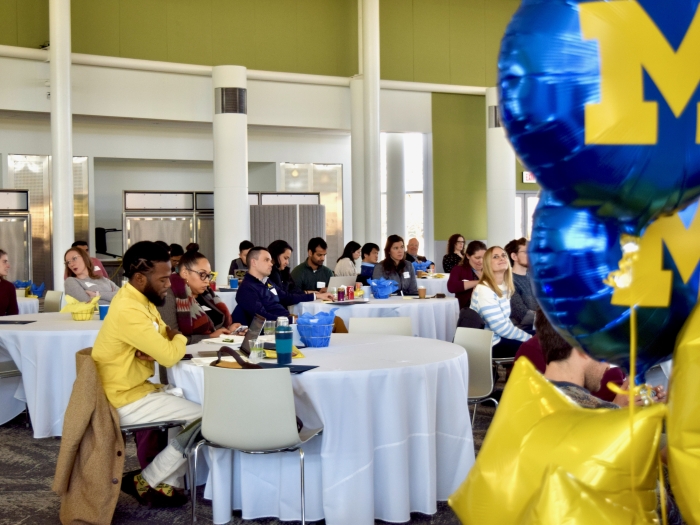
525	204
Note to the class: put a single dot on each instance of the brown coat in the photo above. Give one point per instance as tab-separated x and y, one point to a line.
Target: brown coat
91	460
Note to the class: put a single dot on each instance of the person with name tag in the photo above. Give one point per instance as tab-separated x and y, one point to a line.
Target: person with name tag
8	296
396	267
312	275
83	283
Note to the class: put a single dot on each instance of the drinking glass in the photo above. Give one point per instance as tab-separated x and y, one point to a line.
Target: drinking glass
257	352
269	328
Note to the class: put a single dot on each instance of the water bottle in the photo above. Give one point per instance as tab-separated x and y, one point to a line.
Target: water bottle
283	341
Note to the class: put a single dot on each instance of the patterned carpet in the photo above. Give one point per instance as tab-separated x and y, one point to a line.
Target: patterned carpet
27	468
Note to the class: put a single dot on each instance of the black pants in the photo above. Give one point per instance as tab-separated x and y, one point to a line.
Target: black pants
505	348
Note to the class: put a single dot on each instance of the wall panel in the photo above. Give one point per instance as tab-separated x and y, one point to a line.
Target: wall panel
189	31
431	37
143	29
32	23
396	39
233	32
95	27
8	22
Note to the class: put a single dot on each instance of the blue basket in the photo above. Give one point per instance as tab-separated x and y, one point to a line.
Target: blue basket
315	335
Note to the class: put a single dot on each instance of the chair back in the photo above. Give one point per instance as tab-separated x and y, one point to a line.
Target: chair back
250	410
477	343
52	301
381	325
469	318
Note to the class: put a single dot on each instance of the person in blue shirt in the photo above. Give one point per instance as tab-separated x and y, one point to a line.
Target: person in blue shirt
258	295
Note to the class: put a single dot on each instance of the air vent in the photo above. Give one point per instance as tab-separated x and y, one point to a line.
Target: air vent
494	117
230	100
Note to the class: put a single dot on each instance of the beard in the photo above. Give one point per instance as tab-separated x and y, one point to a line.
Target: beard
152	295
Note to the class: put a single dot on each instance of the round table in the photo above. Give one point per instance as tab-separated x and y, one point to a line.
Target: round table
44	351
28	305
430	318
397	434
229	299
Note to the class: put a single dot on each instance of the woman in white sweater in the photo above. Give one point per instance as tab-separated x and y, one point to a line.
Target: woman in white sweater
491	300
345	266
82	283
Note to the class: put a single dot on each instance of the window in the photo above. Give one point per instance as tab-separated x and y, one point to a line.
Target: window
525	204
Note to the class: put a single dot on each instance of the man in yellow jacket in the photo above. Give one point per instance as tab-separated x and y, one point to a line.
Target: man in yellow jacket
132	336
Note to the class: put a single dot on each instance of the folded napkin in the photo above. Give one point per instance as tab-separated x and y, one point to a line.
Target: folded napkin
321	318
383	288
422	266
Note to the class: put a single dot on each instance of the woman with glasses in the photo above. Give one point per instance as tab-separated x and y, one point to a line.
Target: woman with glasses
187	297
82	282
491	300
8	296
455	253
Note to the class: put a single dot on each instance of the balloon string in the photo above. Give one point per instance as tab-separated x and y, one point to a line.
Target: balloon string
631	393
662	491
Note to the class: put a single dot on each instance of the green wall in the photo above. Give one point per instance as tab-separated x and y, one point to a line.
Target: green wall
459	165
443	41
301	36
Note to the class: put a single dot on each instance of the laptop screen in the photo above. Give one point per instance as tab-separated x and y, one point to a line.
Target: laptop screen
256	326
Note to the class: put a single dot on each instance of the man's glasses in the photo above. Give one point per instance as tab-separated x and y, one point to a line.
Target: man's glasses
204	276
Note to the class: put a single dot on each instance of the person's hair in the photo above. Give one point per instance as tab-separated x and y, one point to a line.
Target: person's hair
2	252
142	258
191	256
276	249
176	250
388	262
79	243
367	249
245	245
514	247
553	345
452	242
254	253
164	245
472	248
350	248
315	243
488	278
86	259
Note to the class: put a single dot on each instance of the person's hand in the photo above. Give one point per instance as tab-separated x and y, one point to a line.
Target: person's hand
661	394
235	326
623	400
324	296
220	332
91	294
324	290
171	333
143	357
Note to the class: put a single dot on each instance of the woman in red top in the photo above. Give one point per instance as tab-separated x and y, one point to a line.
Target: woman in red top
465	276
8	295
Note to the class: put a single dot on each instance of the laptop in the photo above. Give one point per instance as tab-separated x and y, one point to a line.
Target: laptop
337	282
254	330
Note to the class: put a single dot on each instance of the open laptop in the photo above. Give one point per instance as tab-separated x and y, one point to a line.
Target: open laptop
337	282
254	330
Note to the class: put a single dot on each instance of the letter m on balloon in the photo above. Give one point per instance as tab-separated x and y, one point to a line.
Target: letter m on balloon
629	41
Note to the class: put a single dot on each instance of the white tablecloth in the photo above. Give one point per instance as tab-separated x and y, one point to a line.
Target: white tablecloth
397	435
430	318
28	305
434	285
44	352
229	298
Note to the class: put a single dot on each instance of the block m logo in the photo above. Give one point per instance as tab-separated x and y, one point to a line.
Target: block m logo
629	40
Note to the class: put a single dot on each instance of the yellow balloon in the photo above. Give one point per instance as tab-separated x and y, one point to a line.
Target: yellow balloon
684	420
564	500
537	427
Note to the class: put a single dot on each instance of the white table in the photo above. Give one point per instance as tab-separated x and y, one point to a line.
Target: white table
430	318
229	299
28	305
44	352
435	285
397	435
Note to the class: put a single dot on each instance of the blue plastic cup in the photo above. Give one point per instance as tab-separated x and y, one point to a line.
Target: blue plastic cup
103	311
233	283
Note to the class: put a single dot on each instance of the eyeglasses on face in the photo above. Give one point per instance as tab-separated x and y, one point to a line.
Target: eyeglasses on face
72	260
204	276
459	242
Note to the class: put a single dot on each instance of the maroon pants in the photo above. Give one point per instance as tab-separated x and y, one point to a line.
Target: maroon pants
149	443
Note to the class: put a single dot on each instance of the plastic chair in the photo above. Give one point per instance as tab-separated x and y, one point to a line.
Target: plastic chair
52	301
477	343
264	424
381	325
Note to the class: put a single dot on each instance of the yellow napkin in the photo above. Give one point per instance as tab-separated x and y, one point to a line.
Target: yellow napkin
296	354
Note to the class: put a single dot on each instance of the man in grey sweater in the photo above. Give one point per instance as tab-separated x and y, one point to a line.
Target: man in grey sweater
523	304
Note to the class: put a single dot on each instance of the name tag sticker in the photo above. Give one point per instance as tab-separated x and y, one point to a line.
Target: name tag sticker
89	284
155	325
273	291
96	269
320	284
406	275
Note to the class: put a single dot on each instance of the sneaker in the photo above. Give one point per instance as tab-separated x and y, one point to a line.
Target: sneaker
128	486
158	499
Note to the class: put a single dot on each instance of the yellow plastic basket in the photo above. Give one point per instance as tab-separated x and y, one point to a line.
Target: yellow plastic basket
82	316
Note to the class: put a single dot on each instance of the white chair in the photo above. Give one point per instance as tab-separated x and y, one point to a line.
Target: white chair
265	423
381	325
477	343
52	301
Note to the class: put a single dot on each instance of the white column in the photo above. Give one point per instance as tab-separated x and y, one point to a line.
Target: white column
428	210
62	229
358	161
370	72
231	209
395	186
500	177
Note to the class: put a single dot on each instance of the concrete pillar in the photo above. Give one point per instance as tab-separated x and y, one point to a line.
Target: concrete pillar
62	229
370	77
231	209
395	186
358	161
500	177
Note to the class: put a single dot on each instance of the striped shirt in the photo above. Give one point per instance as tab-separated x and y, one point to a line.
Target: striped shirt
495	311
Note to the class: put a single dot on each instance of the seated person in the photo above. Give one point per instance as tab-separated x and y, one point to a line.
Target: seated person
412	253
465	276
189	292
370	257
97	266
455	252
83	283
8	295
395	267
176	252
491	300
124	351
258	295
345	265
312	275
242	262
523	304
281	253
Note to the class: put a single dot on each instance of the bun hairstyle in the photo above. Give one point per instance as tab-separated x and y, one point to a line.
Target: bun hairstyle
192	255
192	247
